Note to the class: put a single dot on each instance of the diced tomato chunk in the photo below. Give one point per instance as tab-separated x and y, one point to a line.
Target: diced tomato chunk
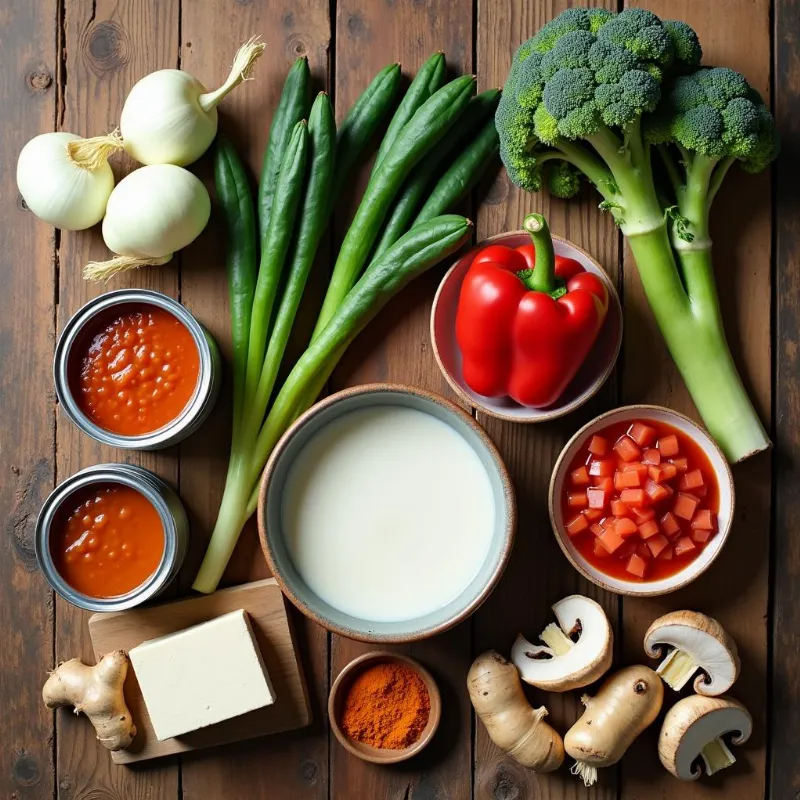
627	549
656	544
691	480
596	497
626	449
619	509
597	530
610	540
606	484
684	545
607	522
602	468
680	464
624	527
651	457
636	566
643	551
666	554
634	498
648	529
701	537
637	467
655	491
642	434
670	525
685	506
599	549
598	446
627	480
643	514
593	514
668	445
577	525
662	473
580	477
703	520
577	499
700	491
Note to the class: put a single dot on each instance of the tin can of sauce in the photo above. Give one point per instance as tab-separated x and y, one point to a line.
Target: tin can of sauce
134	369
111	537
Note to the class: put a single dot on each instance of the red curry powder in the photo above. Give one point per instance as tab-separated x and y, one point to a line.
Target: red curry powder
386	706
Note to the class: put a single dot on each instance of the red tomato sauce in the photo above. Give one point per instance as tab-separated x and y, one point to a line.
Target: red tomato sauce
108	540
135	371
640	500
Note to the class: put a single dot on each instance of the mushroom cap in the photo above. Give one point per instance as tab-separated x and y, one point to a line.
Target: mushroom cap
587	660
705	640
694	722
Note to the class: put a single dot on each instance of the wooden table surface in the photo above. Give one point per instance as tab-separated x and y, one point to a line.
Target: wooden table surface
68	65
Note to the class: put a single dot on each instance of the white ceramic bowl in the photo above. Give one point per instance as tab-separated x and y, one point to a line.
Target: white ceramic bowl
723	475
591	376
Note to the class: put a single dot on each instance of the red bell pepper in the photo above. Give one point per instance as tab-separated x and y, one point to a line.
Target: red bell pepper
527	319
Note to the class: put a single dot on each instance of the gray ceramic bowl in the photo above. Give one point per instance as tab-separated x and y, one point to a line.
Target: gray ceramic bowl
270	513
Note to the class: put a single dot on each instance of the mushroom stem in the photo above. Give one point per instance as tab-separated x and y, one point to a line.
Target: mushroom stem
717	755
586	772
677	668
556	639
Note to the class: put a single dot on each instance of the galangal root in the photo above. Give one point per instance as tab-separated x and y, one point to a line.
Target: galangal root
96	692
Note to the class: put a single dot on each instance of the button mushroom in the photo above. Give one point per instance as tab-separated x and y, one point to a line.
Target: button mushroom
698	642
626	703
693	730
576	652
511	722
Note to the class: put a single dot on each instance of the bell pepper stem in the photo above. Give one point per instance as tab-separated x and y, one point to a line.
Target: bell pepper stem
544	273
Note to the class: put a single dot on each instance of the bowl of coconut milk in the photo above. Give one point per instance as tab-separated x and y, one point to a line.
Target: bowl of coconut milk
386	513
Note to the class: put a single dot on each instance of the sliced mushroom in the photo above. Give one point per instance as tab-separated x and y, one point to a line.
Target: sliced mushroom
576	652
693	730
698	642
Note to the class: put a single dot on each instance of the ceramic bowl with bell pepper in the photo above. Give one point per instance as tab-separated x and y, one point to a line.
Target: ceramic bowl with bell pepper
526	326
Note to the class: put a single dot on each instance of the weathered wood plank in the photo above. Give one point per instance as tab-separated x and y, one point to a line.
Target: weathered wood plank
288	765
735	589
28	81
538	574
784	736
396	347
106	48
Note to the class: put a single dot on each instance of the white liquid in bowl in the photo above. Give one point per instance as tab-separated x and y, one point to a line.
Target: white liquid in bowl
388	513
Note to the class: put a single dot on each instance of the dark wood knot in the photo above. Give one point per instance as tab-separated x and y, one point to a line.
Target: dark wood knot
356	26
26	770
309	771
296	47
107	46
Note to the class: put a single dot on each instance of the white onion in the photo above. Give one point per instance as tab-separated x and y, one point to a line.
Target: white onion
58	191
168	116
152	212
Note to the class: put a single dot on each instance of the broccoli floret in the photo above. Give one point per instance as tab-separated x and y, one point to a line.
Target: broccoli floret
716	113
562	179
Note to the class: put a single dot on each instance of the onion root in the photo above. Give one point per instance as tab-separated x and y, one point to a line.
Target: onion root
105	270
92	153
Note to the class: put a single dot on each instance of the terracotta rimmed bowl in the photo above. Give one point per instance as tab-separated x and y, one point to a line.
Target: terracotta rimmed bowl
591	376
694	568
277	553
339	692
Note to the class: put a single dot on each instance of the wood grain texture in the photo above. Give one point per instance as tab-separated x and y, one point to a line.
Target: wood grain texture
538	574
265	606
292	766
734	591
106	47
28	81
396	347
784	768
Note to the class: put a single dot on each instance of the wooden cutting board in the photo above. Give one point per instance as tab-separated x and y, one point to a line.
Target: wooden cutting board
263	601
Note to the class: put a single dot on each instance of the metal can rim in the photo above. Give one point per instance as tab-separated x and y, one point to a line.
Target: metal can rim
196	409
152	487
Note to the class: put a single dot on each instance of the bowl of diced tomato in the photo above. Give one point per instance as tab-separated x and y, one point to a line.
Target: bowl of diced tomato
641	500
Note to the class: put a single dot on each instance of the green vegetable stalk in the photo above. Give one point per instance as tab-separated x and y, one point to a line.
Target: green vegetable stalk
594	94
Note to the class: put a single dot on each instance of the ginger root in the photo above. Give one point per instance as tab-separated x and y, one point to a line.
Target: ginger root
97	692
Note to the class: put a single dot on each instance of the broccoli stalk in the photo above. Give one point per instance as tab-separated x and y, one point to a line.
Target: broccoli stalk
593	94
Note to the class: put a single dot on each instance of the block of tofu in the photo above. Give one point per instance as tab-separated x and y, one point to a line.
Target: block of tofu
202	675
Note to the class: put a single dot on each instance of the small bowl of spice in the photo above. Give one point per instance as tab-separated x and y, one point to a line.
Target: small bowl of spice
384	707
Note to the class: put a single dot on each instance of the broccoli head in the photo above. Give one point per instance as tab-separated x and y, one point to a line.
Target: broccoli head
586	69
715	112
